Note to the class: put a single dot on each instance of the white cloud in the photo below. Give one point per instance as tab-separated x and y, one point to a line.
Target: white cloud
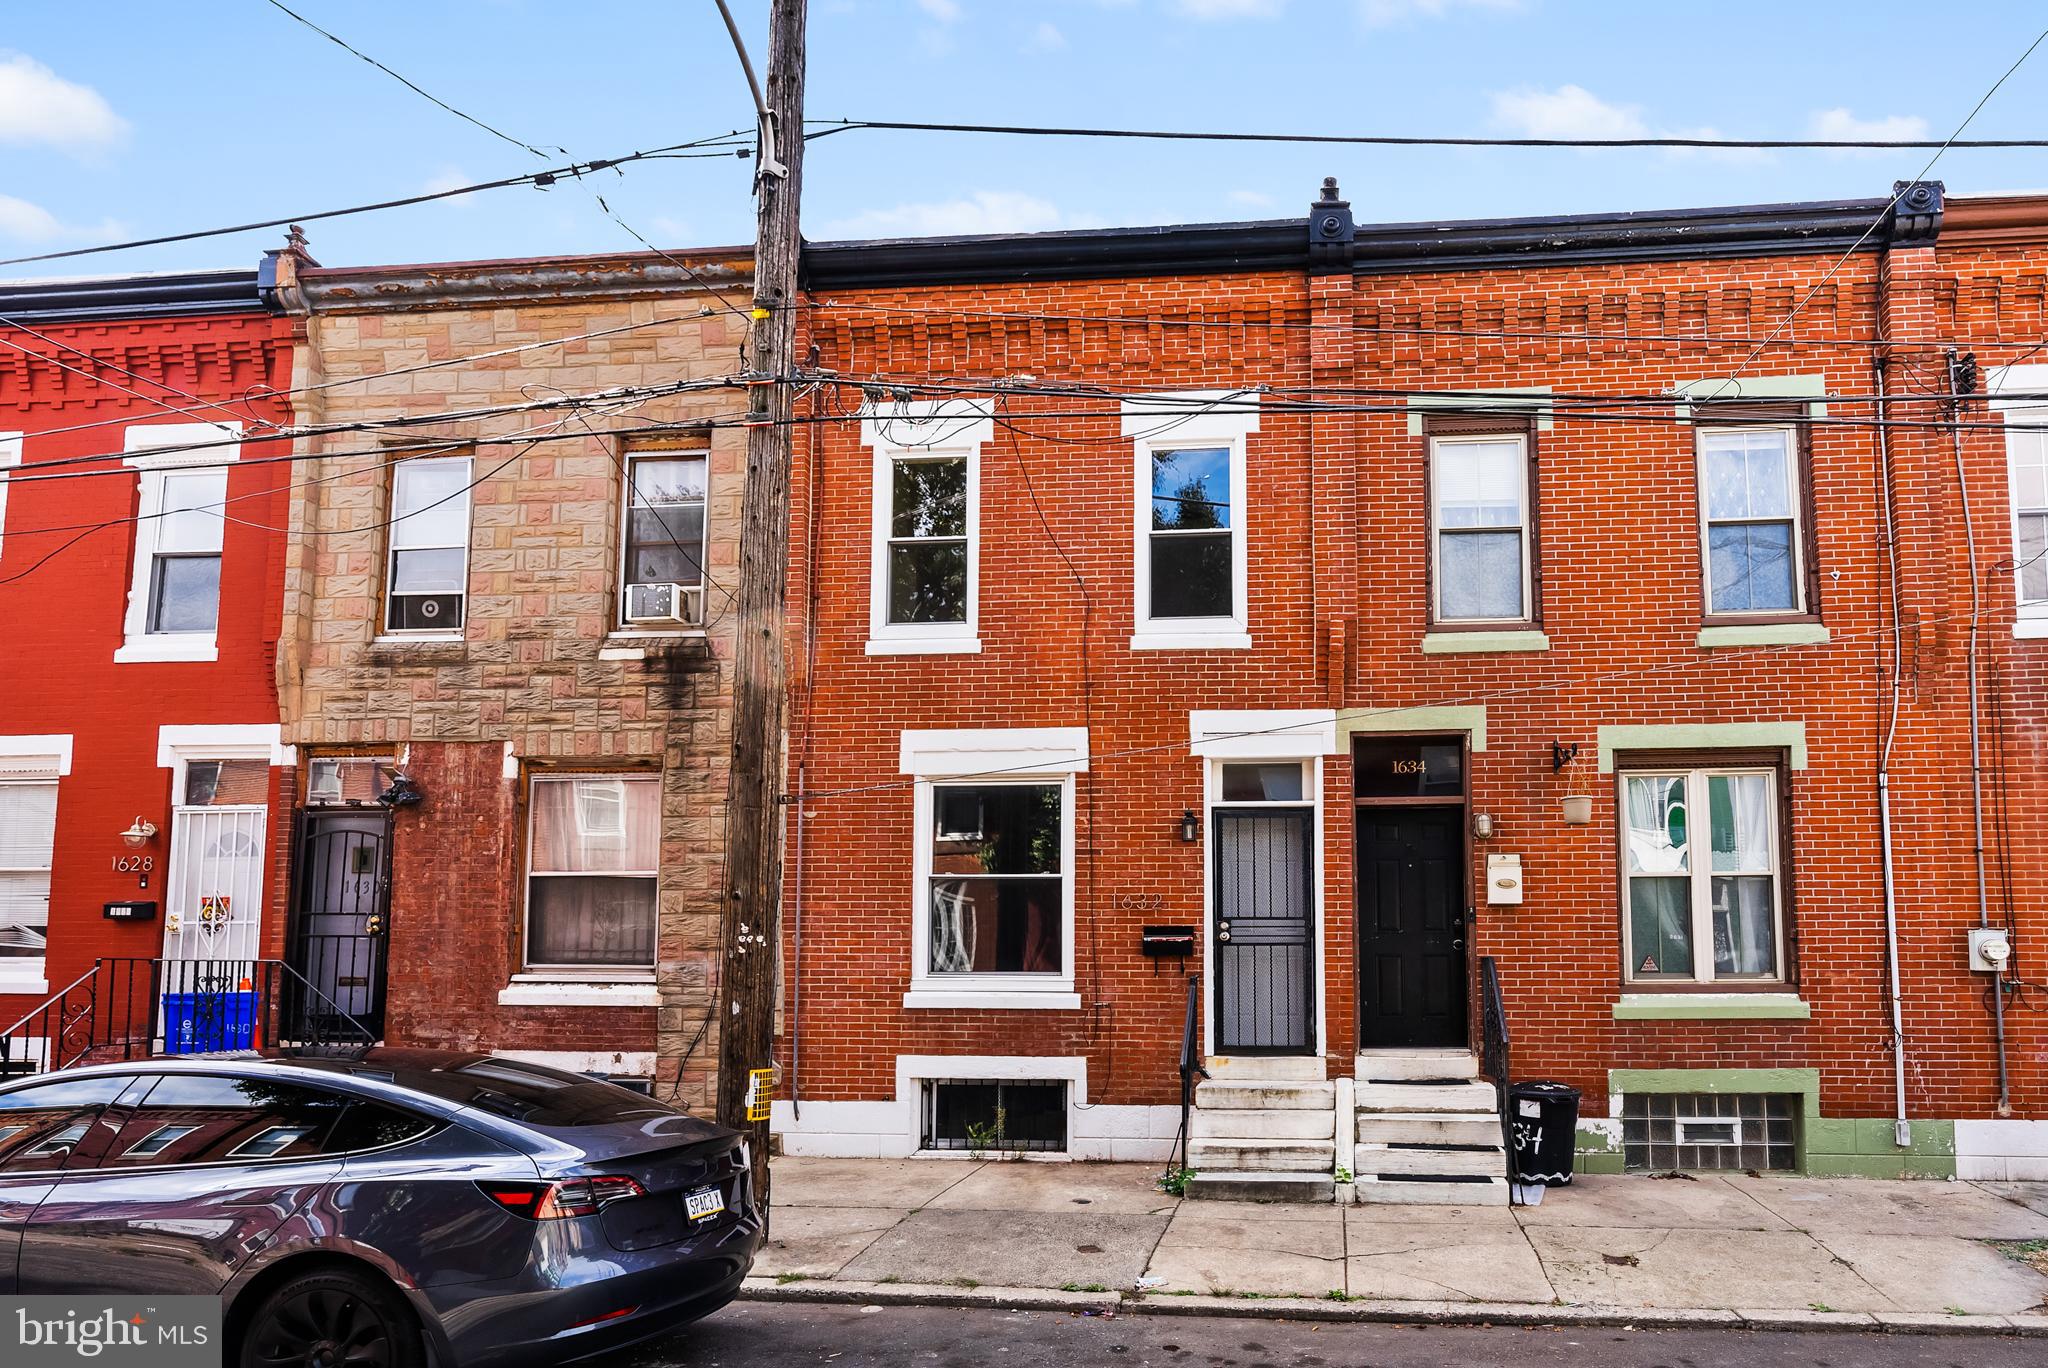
446	179
1250	199
22	221
984	211
1840	125
1046	38
37	106
945	11
1567	112
1382	13
1208	10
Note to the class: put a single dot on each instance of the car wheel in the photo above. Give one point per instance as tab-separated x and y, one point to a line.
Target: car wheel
332	1320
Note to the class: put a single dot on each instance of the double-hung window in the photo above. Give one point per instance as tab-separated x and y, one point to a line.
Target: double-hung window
427	584
2026	449
28	832
1483	558
1191	566
1696	911
593	867
927	525
995	876
1191	543
663	563
1752	538
180	523
10	454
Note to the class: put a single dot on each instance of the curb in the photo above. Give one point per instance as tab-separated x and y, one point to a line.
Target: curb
828	1292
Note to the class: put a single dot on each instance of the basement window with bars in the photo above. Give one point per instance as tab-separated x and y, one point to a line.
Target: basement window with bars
1661	1131
997	1115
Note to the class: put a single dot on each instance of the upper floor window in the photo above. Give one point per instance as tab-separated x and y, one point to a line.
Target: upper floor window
1482	525
1754	544
1701	913
175	586
925	592
593	868
10	454
2026	449
428	577
1191	563
662	567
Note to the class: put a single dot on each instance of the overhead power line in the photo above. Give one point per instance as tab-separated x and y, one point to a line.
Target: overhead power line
1405	140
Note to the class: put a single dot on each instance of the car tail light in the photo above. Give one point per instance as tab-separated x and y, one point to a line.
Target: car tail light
559	1201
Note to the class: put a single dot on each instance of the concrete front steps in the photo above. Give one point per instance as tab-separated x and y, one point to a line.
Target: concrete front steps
1427	1131
1264	1130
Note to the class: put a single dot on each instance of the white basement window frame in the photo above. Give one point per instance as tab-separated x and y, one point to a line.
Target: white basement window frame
929	437
1189	425
2026	456
179	528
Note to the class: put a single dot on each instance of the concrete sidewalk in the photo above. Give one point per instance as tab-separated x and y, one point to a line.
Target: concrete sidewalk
1708	1249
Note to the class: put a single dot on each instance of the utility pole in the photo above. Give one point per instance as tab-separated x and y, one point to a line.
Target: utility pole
750	928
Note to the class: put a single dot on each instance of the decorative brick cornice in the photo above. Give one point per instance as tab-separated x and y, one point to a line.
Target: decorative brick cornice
539	280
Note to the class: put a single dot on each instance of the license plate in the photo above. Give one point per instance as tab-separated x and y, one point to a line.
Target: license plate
703	1204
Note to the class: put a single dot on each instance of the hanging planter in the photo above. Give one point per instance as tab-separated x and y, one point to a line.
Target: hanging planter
1578	809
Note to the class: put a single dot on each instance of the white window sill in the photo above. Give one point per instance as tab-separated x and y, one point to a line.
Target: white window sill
1027	1000
1765	634
627	636
2031	629
168	647
527	991
32	987
439	639
884	646
1191	641
1652	1006
1473	643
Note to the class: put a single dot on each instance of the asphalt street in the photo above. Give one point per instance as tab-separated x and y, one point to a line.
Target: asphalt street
748	1335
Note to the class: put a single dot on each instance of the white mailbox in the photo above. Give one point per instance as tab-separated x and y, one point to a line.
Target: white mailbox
1503	878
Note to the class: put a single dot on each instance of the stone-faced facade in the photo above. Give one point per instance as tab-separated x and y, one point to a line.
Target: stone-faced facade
506	663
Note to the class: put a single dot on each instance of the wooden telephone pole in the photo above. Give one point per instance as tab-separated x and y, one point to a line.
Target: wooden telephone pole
750	929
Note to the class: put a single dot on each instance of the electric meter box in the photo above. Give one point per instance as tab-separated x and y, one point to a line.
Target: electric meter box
1990	949
1503	878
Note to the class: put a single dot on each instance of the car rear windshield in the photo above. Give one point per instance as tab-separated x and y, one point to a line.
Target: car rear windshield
535	1095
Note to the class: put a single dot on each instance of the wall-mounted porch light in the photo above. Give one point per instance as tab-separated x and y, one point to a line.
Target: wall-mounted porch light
139	834
1482	825
1190	829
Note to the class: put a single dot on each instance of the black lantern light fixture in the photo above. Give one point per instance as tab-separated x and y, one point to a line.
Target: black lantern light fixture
1190	829
401	791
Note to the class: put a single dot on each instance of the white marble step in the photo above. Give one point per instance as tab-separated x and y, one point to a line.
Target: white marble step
1274	1123
1431	1162
1395	1192
1471	1097
1266	1068
1262	1187
1263	1156
1388	1066
1425	1128
1243	1096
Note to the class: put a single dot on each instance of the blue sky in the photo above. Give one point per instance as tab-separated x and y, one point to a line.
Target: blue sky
127	118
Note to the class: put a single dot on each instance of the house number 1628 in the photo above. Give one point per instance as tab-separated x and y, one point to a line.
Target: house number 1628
134	864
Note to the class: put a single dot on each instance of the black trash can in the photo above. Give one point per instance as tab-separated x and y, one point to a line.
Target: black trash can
1543	1117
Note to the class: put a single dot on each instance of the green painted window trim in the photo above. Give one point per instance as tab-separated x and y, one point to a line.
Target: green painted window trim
1463	643
1712	1007
1470	718
1528	398
1703	736
1754	387
1765	634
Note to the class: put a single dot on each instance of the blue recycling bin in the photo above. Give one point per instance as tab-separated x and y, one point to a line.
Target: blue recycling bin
199	1023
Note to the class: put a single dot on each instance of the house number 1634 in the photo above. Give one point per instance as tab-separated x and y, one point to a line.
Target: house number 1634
134	864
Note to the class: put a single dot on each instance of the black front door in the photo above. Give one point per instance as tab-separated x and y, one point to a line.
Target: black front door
1411	927
1264	949
341	916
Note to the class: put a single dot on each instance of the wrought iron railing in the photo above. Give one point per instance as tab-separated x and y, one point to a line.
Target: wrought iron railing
1191	1070
138	1008
1493	1058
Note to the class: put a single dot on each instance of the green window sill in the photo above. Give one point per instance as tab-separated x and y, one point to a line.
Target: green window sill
1461	643
1712	1007
1765	634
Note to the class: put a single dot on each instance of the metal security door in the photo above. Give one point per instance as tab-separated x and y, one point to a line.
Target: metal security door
1411	927
1264	950
341	913
213	899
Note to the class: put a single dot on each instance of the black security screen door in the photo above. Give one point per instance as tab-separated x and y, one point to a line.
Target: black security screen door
1411	927
1264	954
341	915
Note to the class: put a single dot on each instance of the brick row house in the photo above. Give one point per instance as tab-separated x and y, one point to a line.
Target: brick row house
1343	613
140	756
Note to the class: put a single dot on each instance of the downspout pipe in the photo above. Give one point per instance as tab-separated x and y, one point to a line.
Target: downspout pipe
1955	433
1902	1129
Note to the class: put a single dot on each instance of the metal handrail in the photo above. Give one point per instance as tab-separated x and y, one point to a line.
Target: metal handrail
50	1001
1190	1065
1494	1058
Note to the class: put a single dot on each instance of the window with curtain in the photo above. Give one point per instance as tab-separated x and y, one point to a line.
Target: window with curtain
593	868
1479	488
2026	449
28	835
665	519
1693	913
995	897
1192	551
1749	497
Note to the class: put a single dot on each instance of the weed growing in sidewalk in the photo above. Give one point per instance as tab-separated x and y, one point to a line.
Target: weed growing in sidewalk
785	1279
1174	1182
1082	1287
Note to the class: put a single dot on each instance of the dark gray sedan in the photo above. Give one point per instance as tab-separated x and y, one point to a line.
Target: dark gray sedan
373	1210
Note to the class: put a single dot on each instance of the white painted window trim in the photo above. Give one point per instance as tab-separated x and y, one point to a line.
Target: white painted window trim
387	633
178	744
914	1071
1700	876
10	456
2032	614
1019	755
1794	474
616	1063
526	990
144	444
632	457
44	759
1263	734
923	429
1526	528
54	748
1171	421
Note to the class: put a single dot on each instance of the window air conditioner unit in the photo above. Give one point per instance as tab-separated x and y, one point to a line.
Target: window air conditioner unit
668	603
426	612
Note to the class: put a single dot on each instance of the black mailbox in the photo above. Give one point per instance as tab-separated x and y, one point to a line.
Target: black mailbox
129	911
1168	942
